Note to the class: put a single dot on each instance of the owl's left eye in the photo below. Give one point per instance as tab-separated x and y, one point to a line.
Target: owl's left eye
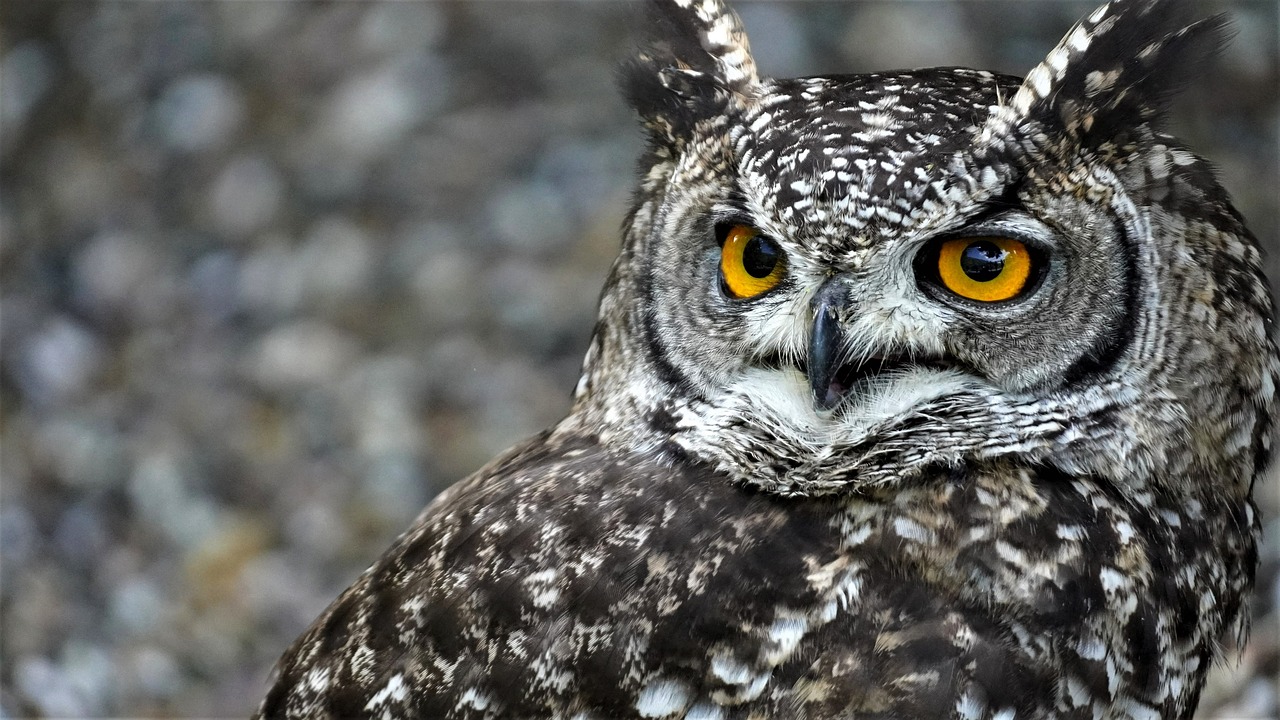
751	264
983	269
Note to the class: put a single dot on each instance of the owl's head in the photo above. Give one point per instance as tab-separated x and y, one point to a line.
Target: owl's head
834	282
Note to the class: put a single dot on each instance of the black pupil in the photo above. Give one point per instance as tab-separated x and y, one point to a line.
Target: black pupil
982	261
759	257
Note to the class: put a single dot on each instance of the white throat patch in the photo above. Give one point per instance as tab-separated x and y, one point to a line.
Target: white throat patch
780	403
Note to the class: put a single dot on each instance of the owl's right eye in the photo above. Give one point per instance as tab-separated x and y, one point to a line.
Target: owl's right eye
751	264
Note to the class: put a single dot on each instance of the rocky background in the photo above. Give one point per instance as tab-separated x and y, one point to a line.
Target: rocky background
273	274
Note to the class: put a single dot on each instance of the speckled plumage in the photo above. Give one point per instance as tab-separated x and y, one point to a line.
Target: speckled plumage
1040	509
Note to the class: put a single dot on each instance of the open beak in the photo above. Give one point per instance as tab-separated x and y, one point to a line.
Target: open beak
834	368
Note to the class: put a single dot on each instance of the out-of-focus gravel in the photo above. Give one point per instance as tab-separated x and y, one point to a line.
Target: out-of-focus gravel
273	274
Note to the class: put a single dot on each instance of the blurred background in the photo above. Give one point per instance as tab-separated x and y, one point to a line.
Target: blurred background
273	274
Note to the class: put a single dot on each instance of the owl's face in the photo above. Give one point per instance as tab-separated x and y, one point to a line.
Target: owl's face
863	262
838	280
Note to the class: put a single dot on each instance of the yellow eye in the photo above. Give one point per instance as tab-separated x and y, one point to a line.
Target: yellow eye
750	263
986	269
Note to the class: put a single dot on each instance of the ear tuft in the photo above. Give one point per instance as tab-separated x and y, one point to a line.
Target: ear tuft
695	64
1116	70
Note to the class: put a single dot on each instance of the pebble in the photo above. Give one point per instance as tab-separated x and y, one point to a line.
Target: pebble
60	362
245	196
26	72
112	268
199	112
299	354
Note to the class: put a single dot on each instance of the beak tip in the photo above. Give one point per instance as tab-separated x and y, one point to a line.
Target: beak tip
822	404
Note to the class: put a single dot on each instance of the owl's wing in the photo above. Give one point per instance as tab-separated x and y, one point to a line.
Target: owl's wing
560	577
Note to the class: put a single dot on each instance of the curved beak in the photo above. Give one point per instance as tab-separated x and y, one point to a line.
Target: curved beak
827	344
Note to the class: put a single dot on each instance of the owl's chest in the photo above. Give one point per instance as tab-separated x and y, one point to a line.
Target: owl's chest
967	594
1025	589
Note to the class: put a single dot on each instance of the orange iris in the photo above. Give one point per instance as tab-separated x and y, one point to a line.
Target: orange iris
986	269
750	263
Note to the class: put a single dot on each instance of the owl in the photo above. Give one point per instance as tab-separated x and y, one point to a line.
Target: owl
923	394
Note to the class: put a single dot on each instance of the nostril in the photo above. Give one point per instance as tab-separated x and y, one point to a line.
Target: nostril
832	295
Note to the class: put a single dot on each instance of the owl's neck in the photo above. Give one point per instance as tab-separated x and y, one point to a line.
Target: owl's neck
621	397
625	395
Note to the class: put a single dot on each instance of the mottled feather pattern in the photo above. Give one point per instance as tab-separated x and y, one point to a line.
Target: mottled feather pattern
696	63
575	582
1032	508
